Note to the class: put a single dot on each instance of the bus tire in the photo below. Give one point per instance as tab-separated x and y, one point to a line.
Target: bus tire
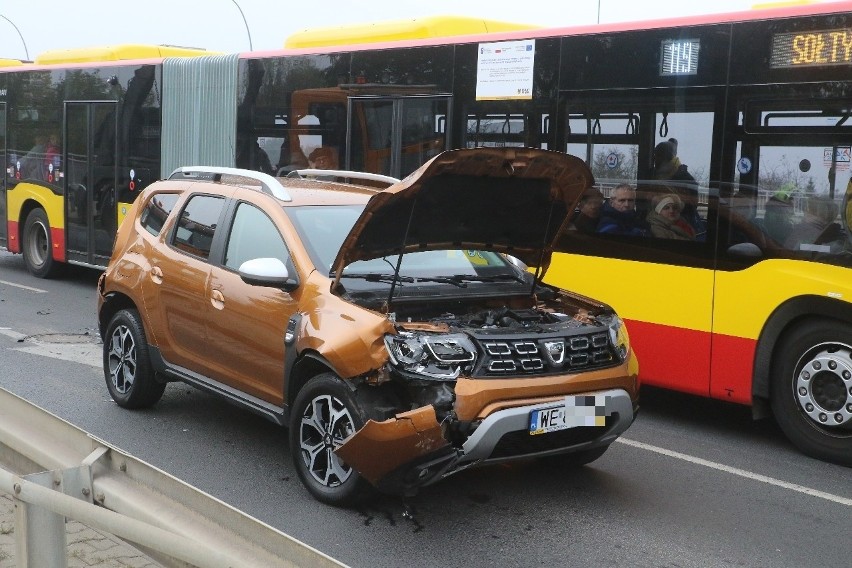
129	375
811	390
37	246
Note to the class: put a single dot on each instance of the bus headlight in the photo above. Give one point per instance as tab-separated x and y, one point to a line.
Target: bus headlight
618	336
432	356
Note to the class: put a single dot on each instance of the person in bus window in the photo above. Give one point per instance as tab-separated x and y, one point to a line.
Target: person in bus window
667	167
618	214
322	158
817	226
31	163
778	213
665	219
588	211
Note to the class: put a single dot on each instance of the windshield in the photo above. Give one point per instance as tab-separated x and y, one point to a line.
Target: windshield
323	229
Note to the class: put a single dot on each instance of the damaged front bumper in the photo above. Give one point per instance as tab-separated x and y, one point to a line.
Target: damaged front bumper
411	450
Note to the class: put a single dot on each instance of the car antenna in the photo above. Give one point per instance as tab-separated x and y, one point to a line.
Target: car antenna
401	252
543	246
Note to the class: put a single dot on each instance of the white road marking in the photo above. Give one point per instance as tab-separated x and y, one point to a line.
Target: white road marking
740	472
31	289
85	353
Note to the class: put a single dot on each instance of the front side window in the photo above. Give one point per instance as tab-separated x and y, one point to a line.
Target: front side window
197	225
253	235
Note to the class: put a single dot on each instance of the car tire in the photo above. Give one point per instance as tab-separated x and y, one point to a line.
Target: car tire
37	246
313	436
811	389
575	459
127	365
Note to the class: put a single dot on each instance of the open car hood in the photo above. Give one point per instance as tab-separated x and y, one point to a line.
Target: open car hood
510	200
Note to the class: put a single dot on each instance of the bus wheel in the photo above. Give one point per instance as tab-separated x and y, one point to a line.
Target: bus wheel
812	389
38	246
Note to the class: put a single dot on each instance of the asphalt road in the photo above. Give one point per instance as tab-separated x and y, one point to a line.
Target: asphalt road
693	482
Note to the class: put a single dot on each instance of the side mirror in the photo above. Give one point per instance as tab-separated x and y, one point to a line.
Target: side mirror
270	272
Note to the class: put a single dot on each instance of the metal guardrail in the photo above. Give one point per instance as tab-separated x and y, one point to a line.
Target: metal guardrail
61	471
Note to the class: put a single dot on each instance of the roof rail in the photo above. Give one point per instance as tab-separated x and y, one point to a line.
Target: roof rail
344	174
269	184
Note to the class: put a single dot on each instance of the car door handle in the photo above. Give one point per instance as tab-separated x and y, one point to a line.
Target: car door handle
217	298
157	275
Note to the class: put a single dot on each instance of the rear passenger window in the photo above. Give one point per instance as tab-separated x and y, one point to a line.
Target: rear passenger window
157	211
197	225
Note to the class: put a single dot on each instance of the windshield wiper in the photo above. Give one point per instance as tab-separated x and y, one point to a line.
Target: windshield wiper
461	278
374	276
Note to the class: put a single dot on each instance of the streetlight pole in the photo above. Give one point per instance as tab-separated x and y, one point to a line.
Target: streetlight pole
599	11
244	22
20	35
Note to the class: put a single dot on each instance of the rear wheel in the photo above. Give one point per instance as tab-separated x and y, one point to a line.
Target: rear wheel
324	415
812	389
127	366
37	245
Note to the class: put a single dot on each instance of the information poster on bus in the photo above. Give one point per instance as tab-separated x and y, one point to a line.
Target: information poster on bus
504	70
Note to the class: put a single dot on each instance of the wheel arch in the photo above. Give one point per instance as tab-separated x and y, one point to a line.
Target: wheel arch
306	366
786	315
112	304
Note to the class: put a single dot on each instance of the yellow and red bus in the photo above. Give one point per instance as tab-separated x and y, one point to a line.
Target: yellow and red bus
756	104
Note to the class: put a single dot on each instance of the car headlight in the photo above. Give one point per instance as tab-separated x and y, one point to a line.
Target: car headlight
435	356
618	336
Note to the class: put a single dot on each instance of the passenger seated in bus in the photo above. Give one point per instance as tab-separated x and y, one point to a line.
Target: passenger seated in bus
817	226
31	163
588	211
665	220
251	156
667	167
778	214
618	214
323	158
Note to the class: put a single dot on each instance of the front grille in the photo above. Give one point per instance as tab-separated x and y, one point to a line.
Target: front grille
520	443
509	355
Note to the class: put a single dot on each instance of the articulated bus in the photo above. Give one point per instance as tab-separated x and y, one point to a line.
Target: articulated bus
752	307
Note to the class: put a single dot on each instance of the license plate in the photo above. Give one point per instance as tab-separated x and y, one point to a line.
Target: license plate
573	412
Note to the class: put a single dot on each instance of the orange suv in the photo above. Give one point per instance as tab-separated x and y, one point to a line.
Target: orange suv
396	332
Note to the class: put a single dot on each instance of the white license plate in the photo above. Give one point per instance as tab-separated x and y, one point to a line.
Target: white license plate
574	411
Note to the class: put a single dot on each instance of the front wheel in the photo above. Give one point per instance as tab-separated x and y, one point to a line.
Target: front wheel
37	246
127	366
811	392
324	415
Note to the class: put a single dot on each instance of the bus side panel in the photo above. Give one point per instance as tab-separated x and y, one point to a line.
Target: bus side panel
667	309
744	301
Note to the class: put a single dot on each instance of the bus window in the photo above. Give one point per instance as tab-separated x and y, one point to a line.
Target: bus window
495	130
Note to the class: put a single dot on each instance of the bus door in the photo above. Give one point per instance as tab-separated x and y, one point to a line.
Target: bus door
394	135
90	181
4	211
660	283
790	171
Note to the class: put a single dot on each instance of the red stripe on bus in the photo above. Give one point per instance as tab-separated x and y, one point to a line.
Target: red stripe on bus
12	243
733	363
672	357
57	236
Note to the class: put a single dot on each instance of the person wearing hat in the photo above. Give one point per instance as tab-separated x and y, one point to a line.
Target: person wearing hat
588	211
322	158
667	167
778	213
665	218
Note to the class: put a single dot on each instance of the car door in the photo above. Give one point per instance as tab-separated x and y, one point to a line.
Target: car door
245	323
176	287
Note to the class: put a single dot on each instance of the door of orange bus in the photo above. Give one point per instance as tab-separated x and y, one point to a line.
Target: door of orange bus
90	181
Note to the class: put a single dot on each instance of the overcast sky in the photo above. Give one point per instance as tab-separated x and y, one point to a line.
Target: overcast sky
218	25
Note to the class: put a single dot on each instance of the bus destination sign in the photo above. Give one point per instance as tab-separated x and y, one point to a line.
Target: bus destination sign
812	49
679	57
